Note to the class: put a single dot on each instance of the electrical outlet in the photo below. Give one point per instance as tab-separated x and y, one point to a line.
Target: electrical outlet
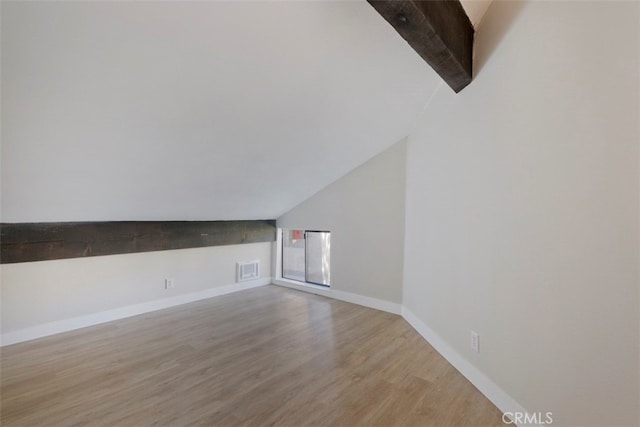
168	283
475	341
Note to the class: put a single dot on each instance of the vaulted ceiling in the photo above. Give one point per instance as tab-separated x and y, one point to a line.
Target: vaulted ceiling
195	110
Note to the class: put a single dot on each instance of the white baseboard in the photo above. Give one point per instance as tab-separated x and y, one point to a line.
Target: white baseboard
495	394
66	325
375	303
487	387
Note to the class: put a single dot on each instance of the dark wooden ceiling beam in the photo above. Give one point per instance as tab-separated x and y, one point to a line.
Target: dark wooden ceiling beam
26	242
439	31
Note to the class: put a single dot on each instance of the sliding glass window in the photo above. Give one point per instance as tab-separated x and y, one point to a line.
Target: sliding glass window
306	256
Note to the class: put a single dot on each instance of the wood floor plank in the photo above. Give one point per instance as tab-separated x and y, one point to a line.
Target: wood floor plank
265	356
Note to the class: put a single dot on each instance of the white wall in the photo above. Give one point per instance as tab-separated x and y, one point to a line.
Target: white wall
522	209
35	294
364	210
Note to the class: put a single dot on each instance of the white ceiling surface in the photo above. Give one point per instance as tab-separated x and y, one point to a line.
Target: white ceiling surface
475	9
185	111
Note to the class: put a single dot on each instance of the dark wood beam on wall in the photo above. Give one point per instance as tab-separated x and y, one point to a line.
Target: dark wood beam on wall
23	242
439	31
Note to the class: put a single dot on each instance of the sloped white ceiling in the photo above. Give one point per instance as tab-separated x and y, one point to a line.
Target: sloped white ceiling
475	9
209	110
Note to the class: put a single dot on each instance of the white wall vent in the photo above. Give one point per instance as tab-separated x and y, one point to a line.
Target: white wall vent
248	270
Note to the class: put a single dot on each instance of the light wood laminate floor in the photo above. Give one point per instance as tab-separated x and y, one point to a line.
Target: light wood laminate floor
266	356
